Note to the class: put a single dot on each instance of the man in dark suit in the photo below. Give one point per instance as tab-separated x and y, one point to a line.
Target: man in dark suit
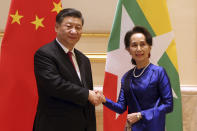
64	80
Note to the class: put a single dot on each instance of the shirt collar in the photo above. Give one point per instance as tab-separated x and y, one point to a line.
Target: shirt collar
64	48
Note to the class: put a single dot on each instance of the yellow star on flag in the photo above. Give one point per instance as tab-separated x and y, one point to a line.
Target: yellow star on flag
16	17
38	22
57	7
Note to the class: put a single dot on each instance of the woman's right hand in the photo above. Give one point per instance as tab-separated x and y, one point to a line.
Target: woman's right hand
102	97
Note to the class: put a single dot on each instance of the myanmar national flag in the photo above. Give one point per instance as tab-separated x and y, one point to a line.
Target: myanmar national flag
152	14
30	24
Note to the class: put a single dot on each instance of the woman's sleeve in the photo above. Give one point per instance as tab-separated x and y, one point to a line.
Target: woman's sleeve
165	102
165	93
121	105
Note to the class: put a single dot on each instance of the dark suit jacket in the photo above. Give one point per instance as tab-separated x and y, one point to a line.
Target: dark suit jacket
63	99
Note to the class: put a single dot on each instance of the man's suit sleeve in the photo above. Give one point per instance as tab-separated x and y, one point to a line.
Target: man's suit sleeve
50	81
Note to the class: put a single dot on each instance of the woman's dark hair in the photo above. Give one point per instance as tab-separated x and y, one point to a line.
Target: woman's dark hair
68	12
137	29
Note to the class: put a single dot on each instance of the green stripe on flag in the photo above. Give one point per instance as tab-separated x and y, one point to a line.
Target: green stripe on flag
137	15
172	73
174	119
114	40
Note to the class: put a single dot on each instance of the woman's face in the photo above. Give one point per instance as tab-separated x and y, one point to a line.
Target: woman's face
139	48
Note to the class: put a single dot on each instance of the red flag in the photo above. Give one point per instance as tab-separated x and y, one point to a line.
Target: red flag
30	25
110	122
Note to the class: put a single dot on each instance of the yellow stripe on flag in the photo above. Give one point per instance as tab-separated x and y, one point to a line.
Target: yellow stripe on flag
171	52
156	13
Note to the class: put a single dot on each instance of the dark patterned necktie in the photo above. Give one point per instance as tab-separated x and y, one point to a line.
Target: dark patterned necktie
70	56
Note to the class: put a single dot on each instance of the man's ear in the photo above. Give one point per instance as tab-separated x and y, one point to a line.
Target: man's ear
56	26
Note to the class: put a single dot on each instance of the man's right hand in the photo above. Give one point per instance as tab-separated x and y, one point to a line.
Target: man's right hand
94	98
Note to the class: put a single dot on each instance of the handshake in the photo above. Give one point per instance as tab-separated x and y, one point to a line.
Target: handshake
96	97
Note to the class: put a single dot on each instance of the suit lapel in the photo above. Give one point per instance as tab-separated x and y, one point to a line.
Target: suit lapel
81	65
65	59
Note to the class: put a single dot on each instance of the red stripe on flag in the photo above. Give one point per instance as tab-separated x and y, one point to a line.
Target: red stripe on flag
110	91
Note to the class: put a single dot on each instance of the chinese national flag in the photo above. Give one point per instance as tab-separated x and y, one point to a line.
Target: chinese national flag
30	25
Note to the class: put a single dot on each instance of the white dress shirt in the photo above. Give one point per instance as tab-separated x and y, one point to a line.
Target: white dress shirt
73	57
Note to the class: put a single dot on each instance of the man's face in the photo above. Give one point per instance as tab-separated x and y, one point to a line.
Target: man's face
69	31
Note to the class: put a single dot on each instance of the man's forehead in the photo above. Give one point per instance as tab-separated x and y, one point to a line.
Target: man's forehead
73	20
